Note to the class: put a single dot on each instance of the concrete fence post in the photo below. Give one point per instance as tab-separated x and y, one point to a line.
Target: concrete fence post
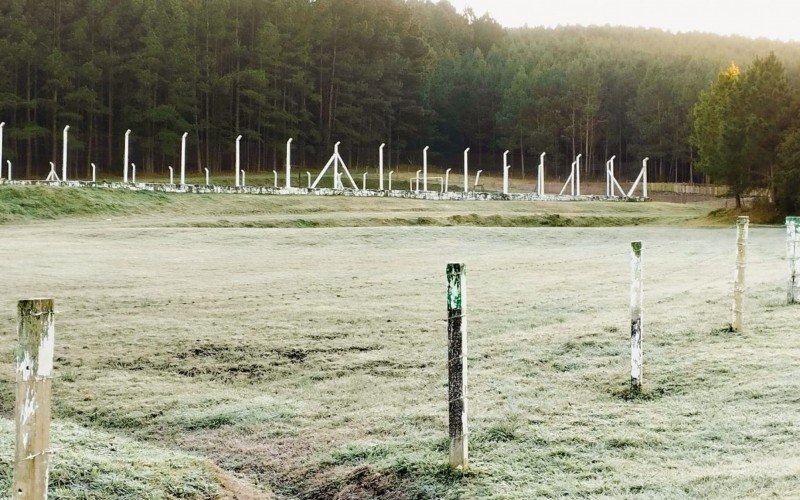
506	168
2	124
170	175
275	179
289	162
133	173
244	181
446	180
637	324
424	170
237	167
308	174
457	364
742	230
183	158
364	182
125	156
8	163
391	172
208	183
64	154
380	166
792	258
466	170
34	363
94	173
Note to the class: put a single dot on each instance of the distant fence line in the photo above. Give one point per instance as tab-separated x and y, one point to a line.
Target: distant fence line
362	193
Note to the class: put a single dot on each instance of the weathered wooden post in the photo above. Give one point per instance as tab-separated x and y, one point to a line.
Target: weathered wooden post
64	154
637	324
457	364
34	363
742	229
792	257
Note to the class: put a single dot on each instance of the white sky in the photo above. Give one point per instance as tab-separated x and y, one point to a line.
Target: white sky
776	19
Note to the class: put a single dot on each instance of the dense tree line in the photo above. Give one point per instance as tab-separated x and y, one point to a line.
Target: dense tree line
747	131
408	73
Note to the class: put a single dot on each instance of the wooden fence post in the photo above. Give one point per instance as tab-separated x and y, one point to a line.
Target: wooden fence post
792	257
457	364
34	364
742	229
637	325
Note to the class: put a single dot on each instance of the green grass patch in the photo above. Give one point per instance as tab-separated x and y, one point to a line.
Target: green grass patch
43	202
94	464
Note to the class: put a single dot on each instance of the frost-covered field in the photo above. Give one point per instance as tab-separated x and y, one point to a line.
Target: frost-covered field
312	362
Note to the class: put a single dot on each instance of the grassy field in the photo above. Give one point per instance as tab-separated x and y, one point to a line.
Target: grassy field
209	345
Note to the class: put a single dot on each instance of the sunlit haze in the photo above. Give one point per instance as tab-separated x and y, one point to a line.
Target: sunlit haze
775	19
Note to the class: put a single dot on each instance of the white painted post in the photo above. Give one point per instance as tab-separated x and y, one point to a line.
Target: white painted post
742	230
34	363
238	160
390	179
208	183
170	175
336	165
244	183
477	178
289	163
447	179
506	167
637	323
578	175
94	173
457	364
183	158
275	178
133	172
572	180
424	169
793	258
417	181
540	180
466	170
364	182
341	184
8	162
380	166
64	155
125	157
2	124
644	177
309	178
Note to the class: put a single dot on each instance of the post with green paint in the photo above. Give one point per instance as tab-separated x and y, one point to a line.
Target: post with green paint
34	363
457	364
742	230
637	324
793	258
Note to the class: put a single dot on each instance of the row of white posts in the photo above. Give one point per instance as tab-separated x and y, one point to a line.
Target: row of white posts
36	332
457	325
574	179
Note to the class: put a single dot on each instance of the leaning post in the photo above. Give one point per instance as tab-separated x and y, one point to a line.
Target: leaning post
742	229
637	325
34	363
792	258
457	364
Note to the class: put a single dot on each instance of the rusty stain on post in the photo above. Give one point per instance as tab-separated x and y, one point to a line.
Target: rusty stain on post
457	364
34	363
742	229
637	324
